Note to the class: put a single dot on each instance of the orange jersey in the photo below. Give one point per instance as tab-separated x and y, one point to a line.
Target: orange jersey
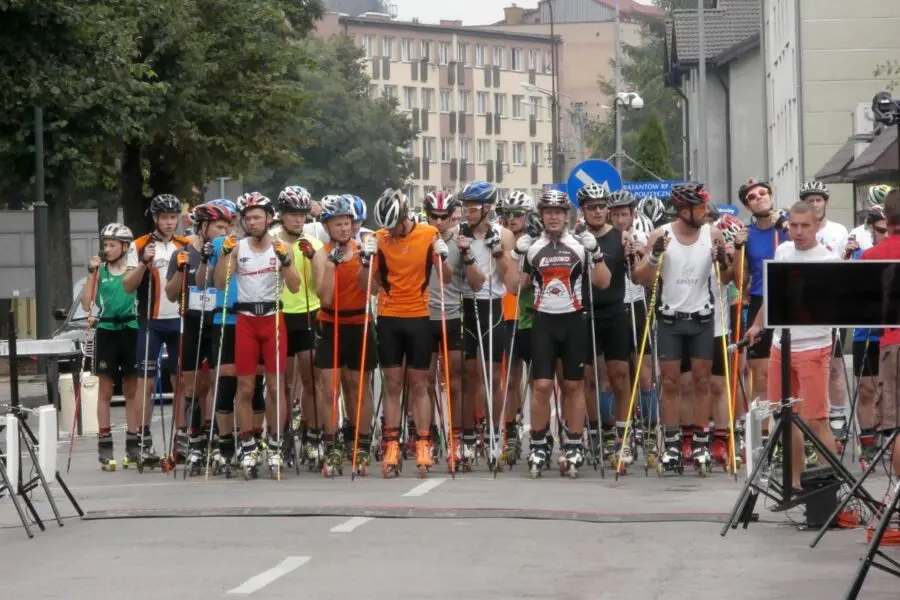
351	300
404	269
509	307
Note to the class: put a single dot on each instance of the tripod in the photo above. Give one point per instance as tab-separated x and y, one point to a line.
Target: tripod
784	494
874	550
26	438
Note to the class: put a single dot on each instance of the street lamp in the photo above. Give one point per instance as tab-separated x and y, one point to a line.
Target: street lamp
553	95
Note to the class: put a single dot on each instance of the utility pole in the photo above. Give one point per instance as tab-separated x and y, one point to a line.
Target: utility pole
703	146
42	282
618	83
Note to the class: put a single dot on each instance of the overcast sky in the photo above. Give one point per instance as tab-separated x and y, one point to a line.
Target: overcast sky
472	12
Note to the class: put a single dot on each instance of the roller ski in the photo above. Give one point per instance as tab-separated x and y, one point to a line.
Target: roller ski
537	461
571	460
195	461
390	464
838	423
512	448
250	456
275	458
105	454
720	451
868	449
593	454
362	457
332	466
609	446
700	454
812	457
468	455
671	459
313	453
148	459
423	457
651	451
132	451
622	458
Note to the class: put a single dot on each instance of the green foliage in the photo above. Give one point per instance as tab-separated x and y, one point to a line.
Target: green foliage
889	68
356	143
652	152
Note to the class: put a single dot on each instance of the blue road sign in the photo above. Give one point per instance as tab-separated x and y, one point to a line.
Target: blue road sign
593	171
728	209
660	189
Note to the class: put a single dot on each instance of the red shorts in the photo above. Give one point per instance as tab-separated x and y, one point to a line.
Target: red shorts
254	337
809	380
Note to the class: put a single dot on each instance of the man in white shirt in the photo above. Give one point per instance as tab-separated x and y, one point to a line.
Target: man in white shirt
810	346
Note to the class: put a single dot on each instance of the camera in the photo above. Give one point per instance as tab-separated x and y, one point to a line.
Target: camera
885	109
631	100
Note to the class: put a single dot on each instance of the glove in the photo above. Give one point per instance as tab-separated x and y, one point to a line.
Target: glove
522	245
281	251
721	255
336	256
588	241
182	262
597	255
440	248
228	245
369	247
148	254
492	241
782	221
659	246
307	249
206	252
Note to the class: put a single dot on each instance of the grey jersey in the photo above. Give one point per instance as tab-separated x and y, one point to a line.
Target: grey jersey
452	290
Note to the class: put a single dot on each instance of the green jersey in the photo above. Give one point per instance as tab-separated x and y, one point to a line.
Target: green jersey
526	312
117	308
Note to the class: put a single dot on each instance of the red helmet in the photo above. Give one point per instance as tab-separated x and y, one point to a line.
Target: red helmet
440	202
254	200
210	213
729	225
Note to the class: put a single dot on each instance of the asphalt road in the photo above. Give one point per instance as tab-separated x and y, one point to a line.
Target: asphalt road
153	536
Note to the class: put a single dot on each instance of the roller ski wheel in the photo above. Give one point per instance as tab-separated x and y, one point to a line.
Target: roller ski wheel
195	463
535	471
251	472
567	470
390	471
108	465
702	469
331	471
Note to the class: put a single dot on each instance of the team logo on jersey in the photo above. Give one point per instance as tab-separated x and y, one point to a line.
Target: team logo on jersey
688	275
271	262
244	260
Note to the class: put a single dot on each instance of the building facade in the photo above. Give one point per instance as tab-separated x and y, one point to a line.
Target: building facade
470	93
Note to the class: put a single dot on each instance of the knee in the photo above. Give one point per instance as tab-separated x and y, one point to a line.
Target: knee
543	386
245	387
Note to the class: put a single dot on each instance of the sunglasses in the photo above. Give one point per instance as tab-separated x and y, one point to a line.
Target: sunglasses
762	193
514	214
595	206
438	216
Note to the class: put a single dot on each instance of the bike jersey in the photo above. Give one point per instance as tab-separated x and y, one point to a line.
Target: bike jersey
610	301
486	263
257	274
222	299
833	236
452	290
557	270
863	237
199	298
117	308
160	307
305	300
634	292
686	273
350	298
404	268
761	245
526	308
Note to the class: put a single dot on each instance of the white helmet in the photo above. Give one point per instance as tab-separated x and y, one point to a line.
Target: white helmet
390	208
518	201
811	188
117	231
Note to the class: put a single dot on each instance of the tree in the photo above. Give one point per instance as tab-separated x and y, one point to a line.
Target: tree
356	144
652	152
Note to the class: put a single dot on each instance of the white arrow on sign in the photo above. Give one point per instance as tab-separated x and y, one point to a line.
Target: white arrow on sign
585	179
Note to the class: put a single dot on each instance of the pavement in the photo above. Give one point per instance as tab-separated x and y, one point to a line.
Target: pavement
155	536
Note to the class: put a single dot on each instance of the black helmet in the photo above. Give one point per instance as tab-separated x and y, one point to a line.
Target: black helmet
689	195
165	203
620	198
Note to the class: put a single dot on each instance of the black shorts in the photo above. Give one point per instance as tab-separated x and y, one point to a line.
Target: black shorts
613	336
454	335
718	362
558	337
685	337
640	318
115	352
300	337
762	347
227	340
485	310
866	358
521	348
404	338
350	344
196	342
162	332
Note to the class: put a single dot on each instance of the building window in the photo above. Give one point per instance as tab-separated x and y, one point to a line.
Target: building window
464	150
462	54
428	149
518	59
445	101
536	103
387	47
406	50
426	50
518	153
517	102
498	56
534	61
428	99
464	104
479	55
537	153
409	98
390	91
446	150
443	53
548	62
500	104
481	102
368	44
484	151
373	91
501	152
536	193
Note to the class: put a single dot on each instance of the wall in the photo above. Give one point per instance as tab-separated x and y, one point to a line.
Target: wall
747	121
716	114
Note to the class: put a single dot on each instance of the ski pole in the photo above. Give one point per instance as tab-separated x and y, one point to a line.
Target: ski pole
76	385
590	262
445	352
728	392
170	462
738	334
335	356
278	394
362	367
640	358
219	358
509	359
146	361
312	353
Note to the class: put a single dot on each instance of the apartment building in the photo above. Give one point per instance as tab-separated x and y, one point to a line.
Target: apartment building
473	94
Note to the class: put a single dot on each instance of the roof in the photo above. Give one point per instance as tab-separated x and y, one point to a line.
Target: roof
726	27
631	7
461	30
880	156
833	170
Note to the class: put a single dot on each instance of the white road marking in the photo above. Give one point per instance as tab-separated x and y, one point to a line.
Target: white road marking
260	581
586	179
424	487
350	524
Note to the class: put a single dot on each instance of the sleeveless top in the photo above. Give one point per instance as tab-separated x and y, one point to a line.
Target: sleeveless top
486	263
686	273
256	274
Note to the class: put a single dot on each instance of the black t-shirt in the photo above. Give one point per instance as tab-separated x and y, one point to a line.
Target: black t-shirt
611	300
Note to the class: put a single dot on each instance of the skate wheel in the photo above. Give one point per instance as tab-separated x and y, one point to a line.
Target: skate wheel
423	472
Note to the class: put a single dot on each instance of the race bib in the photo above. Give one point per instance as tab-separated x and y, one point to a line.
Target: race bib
202	300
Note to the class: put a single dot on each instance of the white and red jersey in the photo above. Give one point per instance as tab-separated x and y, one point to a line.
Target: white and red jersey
557	269
257	274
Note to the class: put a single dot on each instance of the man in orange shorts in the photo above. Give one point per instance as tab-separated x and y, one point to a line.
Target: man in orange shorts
810	346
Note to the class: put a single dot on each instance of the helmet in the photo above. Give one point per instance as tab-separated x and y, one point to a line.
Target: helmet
117	231
518	201
391	208
877	194
744	190
165	203
811	188
875	214
533	224
294	198
479	191
653	208
254	200
554	199
442	202
591	191
360	212
619	198
688	195
210	212
231	206
729	225
336	206
642	223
